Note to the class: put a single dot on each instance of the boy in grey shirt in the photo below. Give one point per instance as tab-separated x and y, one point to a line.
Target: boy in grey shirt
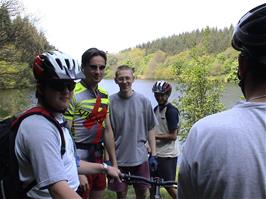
133	122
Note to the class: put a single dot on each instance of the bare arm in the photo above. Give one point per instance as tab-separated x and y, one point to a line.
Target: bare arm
109	141
61	190
151	140
90	168
94	168
171	135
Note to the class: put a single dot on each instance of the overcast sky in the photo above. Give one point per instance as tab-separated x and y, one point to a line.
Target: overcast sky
113	25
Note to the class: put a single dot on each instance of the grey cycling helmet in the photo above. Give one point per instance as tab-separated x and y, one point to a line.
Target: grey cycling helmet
250	33
56	65
162	87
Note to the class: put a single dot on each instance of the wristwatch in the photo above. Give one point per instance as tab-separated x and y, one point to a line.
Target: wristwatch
105	167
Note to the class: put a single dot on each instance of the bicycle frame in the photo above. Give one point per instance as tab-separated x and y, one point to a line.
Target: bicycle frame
157	182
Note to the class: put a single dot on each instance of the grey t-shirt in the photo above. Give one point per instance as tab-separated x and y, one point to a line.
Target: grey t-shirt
131	119
37	148
224	156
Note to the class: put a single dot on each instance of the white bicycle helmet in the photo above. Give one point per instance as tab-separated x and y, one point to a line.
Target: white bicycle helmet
56	65
162	87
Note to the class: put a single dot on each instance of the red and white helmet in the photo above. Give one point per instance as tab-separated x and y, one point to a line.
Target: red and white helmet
56	65
162	87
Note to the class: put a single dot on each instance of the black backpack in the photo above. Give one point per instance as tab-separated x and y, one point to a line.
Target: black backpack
10	185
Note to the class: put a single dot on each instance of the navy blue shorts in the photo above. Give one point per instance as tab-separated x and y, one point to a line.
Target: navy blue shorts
166	168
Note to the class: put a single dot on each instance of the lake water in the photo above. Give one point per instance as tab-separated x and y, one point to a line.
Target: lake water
232	92
14	100
142	86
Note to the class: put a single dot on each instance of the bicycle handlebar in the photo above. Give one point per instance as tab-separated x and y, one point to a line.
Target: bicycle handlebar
152	181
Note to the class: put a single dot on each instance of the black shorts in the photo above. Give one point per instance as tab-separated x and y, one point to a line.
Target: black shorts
166	168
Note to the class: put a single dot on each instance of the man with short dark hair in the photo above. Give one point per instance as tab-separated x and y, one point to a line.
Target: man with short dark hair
224	156
88	116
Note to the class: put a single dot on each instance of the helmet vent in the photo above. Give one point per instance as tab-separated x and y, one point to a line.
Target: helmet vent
162	87
59	63
56	64
67	63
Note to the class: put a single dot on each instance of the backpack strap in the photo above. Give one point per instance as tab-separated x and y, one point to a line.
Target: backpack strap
41	111
15	125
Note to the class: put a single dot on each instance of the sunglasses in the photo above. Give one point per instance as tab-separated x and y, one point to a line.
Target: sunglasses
160	94
61	85
95	67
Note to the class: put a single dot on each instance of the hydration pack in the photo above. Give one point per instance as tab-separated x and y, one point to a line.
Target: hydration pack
10	185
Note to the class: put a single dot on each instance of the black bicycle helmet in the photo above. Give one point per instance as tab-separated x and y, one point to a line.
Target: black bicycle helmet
162	87
56	65
250	33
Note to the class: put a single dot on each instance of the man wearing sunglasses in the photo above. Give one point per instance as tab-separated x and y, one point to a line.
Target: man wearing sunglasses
38	141
89	119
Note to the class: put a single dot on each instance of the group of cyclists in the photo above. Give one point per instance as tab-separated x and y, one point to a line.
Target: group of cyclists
223	157
123	127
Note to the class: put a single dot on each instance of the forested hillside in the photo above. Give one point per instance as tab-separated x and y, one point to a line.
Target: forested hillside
219	41
163	58
20	41
200	61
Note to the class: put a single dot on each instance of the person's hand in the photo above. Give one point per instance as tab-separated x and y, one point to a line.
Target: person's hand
84	184
153	163
113	172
